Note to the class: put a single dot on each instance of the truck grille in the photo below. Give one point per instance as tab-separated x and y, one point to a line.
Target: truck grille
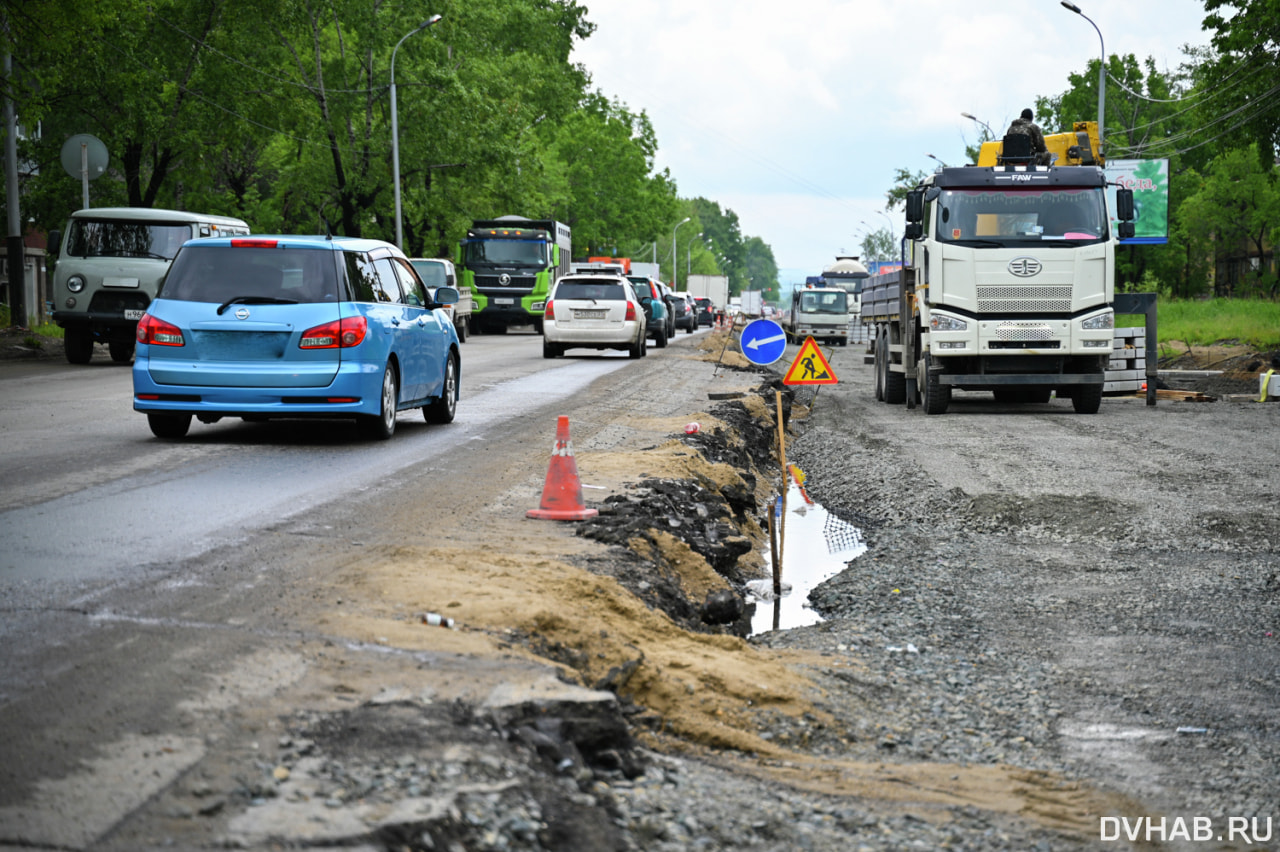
1022	298
488	285
1023	331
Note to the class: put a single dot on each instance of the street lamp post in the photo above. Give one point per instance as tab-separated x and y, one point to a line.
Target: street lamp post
395	126
990	133
675	269
1102	69
688	260
932	157
893	235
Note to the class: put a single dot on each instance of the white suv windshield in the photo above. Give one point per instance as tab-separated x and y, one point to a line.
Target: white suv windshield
1015	216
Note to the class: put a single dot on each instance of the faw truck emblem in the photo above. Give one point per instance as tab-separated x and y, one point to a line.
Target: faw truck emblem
504	279
1024	267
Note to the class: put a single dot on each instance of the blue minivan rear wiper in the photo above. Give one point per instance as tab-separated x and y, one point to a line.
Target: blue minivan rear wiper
253	300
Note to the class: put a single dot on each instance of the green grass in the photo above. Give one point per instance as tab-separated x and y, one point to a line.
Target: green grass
47	329
1247	322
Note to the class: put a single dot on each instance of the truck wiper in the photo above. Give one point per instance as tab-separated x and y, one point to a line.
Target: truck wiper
253	300
979	243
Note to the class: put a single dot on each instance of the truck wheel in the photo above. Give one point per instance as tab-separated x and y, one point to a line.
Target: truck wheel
77	342
895	384
1039	395
1087	399
169	425
121	351
937	396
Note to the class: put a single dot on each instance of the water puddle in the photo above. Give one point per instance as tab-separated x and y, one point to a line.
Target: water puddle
816	546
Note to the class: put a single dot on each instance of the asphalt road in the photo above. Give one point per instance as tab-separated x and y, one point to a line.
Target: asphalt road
90	495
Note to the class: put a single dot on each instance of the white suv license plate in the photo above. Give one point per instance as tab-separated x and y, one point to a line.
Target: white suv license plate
588	314
133	314
504	301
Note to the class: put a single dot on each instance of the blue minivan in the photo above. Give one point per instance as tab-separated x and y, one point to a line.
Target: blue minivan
268	327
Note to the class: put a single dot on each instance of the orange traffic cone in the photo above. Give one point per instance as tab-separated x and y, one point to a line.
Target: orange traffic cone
562	494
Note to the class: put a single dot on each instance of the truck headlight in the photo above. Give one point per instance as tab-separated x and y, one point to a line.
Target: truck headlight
1101	321
944	323
75	283
537	306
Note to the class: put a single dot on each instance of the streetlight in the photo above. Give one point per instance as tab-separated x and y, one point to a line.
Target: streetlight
944	165
395	126
688	260
675	270
1102	70
990	132
893	235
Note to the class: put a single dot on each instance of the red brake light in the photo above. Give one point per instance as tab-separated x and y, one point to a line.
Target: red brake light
339	334
253	243
158	332
631	311
549	311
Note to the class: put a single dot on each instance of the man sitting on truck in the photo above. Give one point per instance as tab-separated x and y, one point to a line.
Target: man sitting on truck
1025	125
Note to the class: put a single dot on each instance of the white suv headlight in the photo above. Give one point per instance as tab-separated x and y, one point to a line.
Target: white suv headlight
75	283
1101	321
944	323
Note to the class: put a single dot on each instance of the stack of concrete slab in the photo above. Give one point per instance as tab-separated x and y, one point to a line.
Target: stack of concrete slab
1127	370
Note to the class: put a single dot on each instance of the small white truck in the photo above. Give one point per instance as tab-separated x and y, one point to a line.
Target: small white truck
438	272
820	312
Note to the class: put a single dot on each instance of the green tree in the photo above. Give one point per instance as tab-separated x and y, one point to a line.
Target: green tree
139	79
1243	75
879	246
1234	216
904	180
606	158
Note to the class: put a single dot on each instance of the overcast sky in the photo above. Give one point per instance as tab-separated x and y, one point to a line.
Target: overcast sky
796	115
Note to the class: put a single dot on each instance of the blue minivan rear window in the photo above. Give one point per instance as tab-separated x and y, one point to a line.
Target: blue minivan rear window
221	273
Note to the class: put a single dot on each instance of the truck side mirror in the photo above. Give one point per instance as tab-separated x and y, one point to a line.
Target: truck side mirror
1124	205
915	205
1125	230
914	230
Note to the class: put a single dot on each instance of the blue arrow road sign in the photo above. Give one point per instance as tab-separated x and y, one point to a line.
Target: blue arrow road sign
763	341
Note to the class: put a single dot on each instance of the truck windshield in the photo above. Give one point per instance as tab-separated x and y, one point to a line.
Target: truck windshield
432	274
823	303
114	238
506	252
1008	217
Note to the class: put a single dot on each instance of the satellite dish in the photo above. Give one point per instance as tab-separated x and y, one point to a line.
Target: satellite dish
84	156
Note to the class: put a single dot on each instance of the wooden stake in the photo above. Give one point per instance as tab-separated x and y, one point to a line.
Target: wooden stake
782	520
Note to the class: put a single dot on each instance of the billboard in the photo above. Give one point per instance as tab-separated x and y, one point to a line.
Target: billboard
1149	180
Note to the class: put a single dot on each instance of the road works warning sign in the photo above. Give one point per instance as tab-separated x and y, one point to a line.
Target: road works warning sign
809	368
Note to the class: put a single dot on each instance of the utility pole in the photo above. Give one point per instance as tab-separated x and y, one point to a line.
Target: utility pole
13	244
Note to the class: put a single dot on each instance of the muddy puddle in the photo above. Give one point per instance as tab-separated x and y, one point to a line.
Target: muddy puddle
816	545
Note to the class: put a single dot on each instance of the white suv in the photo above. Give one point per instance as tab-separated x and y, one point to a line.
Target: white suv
598	311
